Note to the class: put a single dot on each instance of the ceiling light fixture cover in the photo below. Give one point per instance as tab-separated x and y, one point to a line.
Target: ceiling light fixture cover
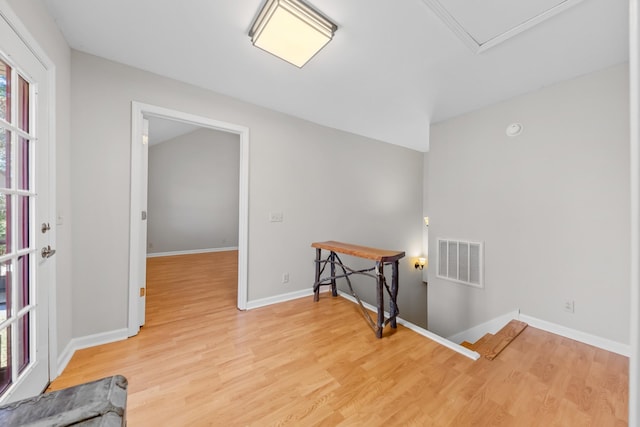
291	30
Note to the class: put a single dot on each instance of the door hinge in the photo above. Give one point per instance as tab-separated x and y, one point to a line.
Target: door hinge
143	292
144	215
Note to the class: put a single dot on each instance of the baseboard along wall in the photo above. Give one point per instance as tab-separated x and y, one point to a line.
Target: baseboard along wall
192	251
88	341
451	342
492	326
263	302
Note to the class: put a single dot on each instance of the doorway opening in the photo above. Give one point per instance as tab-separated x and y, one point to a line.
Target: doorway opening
138	216
192	203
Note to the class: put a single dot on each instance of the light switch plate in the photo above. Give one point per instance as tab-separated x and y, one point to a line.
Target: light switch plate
276	216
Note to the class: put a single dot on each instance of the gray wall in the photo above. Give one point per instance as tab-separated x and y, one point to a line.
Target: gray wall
193	192
36	19
328	184
551	205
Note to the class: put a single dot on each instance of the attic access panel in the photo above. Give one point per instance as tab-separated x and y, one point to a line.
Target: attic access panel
484	24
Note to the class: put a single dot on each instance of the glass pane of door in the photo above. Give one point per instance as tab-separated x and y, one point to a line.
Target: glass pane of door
24	205
5	157
5	358
5	91
23	350
17	246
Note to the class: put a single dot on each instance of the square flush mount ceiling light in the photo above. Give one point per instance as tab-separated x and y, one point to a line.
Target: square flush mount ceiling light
291	30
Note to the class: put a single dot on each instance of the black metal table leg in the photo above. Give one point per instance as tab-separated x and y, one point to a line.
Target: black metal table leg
316	285
334	289
380	299
393	303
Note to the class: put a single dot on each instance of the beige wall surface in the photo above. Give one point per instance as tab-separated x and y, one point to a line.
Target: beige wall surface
193	192
328	184
550	205
41	26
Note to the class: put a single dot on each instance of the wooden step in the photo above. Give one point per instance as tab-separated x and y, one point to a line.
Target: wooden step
484	344
491	345
474	346
467	344
502	339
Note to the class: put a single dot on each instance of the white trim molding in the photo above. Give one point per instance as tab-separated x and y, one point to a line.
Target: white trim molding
263	302
634	154
576	335
415	328
494	325
191	252
490	327
88	341
138	112
478	46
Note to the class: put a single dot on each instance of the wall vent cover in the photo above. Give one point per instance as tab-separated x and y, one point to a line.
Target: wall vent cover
461	261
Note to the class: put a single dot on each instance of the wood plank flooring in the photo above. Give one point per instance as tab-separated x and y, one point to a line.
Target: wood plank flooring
200	362
490	346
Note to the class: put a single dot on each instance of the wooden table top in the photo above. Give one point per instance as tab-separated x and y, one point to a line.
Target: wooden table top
382	255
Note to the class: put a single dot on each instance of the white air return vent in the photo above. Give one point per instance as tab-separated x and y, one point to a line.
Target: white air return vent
461	261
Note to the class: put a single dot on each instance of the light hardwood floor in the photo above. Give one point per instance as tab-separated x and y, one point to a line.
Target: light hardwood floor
199	361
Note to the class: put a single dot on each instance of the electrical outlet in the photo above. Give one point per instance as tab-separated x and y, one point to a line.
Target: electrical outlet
285	278
569	306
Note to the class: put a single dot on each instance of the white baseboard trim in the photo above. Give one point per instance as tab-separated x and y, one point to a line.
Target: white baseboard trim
192	251
490	327
417	329
262	302
64	358
583	337
89	341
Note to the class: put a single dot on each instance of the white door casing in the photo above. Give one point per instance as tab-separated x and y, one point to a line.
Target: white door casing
23	262
634	151
139	162
142	244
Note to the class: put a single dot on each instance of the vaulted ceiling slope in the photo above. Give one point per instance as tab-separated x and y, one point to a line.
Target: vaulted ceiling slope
392	68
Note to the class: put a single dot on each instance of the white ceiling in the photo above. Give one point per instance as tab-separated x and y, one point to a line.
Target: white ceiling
485	24
161	130
392	68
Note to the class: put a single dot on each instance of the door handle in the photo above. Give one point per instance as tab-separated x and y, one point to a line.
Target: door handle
47	252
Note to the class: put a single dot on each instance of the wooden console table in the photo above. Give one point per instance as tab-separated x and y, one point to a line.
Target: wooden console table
381	257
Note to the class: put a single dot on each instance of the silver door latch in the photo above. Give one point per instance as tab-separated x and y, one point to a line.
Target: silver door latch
48	252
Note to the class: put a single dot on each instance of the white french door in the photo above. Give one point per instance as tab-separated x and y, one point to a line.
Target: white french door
25	229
